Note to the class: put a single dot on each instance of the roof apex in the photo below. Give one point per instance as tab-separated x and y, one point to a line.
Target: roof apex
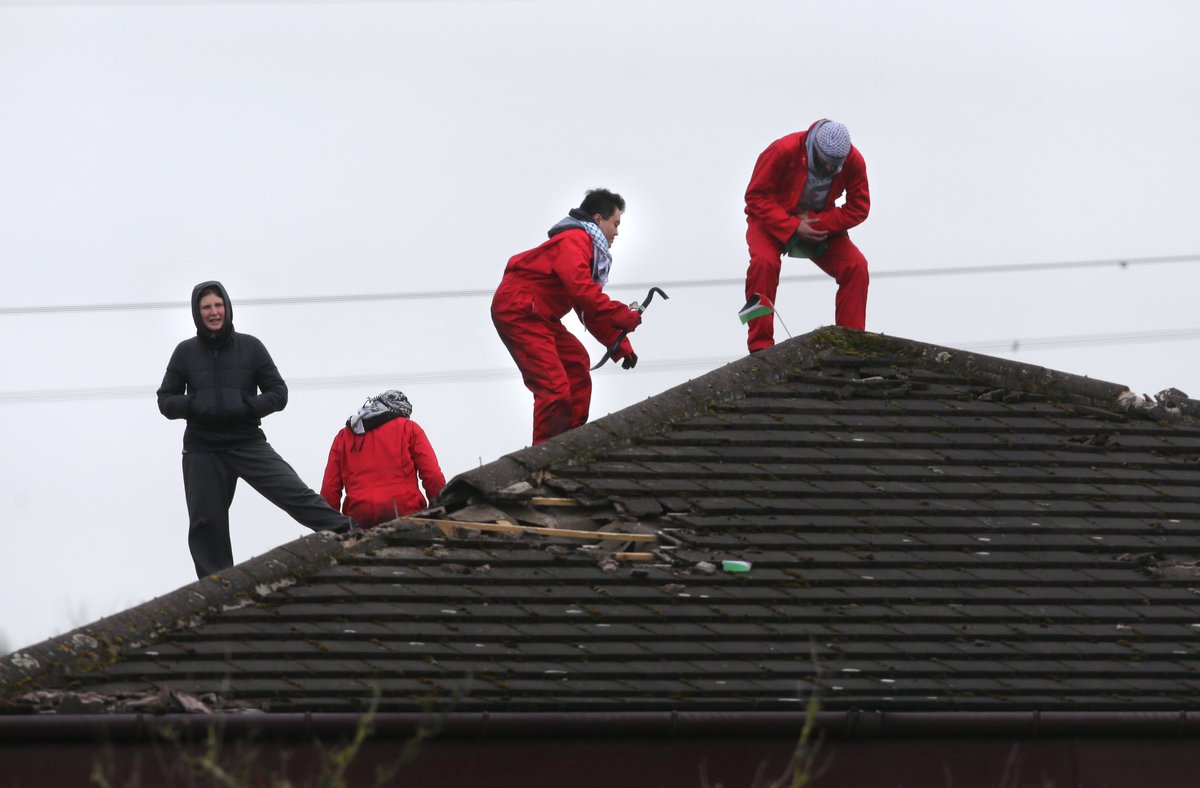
731	382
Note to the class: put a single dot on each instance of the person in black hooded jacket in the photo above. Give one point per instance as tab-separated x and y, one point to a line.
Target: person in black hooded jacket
224	382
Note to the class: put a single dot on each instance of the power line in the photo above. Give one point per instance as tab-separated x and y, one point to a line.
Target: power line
455	376
1047	343
336	382
677	284
138	3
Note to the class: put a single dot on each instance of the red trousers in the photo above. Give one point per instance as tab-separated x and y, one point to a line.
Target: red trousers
553	364
843	261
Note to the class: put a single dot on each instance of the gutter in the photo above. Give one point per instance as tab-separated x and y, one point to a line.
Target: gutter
842	725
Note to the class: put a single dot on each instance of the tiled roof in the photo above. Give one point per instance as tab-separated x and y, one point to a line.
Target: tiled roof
926	530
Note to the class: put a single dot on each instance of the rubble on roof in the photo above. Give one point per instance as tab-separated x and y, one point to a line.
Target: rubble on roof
1167	404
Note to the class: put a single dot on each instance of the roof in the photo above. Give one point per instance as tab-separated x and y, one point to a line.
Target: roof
919	530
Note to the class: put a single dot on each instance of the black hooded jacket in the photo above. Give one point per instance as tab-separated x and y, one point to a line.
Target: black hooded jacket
214	381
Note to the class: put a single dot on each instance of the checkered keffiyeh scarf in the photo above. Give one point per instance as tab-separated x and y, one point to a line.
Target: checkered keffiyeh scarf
601	257
378	410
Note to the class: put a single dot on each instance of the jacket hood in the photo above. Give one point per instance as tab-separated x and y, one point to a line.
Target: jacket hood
566	223
222	336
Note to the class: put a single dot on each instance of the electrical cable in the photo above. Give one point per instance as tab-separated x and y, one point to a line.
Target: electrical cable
455	376
677	284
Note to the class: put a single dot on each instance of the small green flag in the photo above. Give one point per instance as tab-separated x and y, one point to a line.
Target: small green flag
757	306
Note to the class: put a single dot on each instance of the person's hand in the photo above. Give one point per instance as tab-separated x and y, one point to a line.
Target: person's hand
626	356
807	230
629	321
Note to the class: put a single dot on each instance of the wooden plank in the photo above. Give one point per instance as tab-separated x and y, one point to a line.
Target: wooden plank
541	501
635	556
447	527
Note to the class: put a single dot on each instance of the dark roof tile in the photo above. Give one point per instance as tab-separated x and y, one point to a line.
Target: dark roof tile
940	530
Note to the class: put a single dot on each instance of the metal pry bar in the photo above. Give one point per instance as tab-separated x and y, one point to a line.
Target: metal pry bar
635	306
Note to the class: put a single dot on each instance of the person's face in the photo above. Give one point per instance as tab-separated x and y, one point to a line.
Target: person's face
212	312
824	166
609	226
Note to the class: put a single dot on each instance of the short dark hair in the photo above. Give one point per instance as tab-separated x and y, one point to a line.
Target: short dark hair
211	290
603	202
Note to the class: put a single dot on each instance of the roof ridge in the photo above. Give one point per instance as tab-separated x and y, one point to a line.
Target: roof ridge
734	380
725	383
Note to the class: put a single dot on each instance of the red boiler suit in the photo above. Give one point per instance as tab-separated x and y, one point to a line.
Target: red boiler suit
378	471
539	287
772	217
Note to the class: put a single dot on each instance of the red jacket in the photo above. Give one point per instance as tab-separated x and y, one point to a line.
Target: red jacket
378	470
556	277
778	183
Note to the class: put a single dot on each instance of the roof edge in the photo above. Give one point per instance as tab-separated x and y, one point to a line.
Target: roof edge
852	724
723	384
1002	371
95	645
731	381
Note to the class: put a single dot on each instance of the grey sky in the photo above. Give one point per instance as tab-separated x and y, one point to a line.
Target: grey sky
304	149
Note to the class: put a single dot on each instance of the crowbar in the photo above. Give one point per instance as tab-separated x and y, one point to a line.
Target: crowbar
637	308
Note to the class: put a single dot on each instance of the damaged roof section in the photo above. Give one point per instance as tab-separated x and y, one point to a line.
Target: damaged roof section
893	525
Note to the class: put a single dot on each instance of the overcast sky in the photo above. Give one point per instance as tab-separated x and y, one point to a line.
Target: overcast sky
301	150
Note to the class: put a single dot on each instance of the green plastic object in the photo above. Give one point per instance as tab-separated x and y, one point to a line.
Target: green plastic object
797	247
736	566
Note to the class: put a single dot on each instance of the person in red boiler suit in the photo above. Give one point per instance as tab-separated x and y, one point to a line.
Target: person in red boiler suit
541	285
790	206
376	458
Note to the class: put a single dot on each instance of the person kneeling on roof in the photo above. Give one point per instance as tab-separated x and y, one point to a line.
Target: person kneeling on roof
543	284
376	458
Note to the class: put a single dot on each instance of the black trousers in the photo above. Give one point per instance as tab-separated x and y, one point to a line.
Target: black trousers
209	481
